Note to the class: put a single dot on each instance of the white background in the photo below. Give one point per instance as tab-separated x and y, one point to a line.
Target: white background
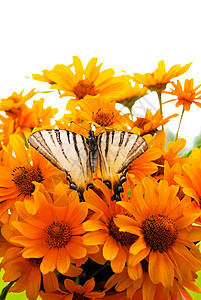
129	35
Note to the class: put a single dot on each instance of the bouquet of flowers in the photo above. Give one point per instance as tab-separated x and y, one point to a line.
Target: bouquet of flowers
108	210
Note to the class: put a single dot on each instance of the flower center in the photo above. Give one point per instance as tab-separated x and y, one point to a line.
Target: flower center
160	232
124	238
160	162
140	122
35	262
104	117
157	87
57	234
23	177
77	296
83	88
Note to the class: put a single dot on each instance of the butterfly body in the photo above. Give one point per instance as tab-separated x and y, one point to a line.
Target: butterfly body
110	153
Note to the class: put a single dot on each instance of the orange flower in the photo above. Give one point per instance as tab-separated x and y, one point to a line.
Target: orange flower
170	155
103	230
27	274
143	288
17	173
55	236
150	123
82	82
158	80
185	96
144	165
13	103
190	180
24	119
74	291
165	236
103	114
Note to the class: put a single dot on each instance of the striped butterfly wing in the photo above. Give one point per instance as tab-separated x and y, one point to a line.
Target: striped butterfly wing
67	151
117	150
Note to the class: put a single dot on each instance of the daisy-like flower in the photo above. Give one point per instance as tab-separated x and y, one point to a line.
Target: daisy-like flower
189	180
165	236
74	291
150	123
82	82
103	231
13	103
158	80
143	288
171	154
27	274
103	114
185	96
19	171
55	236
130	94
144	165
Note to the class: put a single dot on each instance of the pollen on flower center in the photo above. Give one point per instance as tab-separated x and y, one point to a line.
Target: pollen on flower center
124	238
23	177
160	232
35	262
140	122
58	234
104	117
83	88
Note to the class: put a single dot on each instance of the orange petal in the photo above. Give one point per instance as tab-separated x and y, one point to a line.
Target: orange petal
110	248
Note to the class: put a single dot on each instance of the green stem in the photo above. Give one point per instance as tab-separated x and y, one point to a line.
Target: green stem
131	113
102	268
176	136
25	140
160	103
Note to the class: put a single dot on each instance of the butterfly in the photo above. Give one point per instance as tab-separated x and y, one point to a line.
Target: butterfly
110	152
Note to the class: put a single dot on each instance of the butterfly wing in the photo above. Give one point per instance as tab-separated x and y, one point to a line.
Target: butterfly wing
67	151
117	150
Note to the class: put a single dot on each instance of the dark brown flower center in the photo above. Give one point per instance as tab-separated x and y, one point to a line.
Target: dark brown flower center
58	234
23	177
104	117
124	238
140	122
160	164
35	262
160	232
83	88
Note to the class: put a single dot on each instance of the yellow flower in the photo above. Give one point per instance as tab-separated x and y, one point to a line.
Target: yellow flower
13	103
130	94
103	114
82	82
158	80
185	96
